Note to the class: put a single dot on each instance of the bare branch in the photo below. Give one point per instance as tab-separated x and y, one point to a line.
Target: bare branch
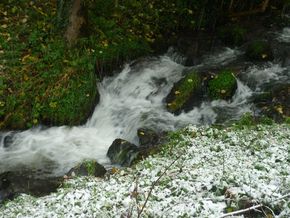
154	184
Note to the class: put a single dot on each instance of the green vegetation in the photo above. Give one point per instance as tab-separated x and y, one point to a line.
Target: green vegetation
183	90
90	167
259	51
223	86
249	120
44	80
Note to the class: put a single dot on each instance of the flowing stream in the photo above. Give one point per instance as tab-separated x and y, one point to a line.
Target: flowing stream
132	99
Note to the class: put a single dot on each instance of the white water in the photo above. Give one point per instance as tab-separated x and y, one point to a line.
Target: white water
285	35
132	99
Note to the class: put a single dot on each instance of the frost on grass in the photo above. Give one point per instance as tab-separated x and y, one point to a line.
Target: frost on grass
216	171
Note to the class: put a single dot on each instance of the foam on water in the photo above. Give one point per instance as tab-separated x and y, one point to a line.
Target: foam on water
132	99
285	35
259	76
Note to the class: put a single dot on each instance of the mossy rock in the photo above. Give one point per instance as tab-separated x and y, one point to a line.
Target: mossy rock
259	51
122	152
222	86
232	35
88	168
185	94
275	103
147	137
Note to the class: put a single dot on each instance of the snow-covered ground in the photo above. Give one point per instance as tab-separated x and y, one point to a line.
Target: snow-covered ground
212	172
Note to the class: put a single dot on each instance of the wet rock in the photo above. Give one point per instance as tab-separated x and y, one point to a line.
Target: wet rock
147	137
122	152
87	168
185	94
232	35
194	46
6	140
275	103
222	86
259	51
286	59
14	183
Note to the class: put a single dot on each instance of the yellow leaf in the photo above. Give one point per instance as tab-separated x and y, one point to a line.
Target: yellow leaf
114	170
279	109
25	77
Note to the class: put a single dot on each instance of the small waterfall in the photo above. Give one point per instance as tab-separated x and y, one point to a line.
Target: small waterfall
132	99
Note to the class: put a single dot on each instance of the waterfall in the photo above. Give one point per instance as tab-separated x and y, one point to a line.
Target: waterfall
132	99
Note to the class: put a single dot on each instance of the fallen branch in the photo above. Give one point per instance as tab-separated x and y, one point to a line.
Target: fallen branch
261	9
154	184
242	211
253	207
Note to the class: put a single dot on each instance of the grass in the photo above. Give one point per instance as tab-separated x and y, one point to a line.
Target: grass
45	81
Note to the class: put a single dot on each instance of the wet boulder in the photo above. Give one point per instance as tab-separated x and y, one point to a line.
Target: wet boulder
222	86
259	51
147	137
87	168
286	59
14	183
275	103
232	35
185	94
6	139
122	152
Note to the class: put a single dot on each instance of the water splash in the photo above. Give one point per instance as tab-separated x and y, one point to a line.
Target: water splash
132	99
270	73
285	35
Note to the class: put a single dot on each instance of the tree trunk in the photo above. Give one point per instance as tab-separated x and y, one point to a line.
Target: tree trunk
72	18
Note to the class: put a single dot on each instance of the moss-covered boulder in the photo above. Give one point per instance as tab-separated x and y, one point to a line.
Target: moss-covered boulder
275	103
147	137
222	86
232	35
88	168
122	152
259	51
185	94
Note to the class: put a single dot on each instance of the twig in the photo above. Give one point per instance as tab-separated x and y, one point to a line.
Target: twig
154	184
254	207
242	211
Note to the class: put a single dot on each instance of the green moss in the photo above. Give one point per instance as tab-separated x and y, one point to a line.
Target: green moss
222	86
183	91
90	167
259	51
